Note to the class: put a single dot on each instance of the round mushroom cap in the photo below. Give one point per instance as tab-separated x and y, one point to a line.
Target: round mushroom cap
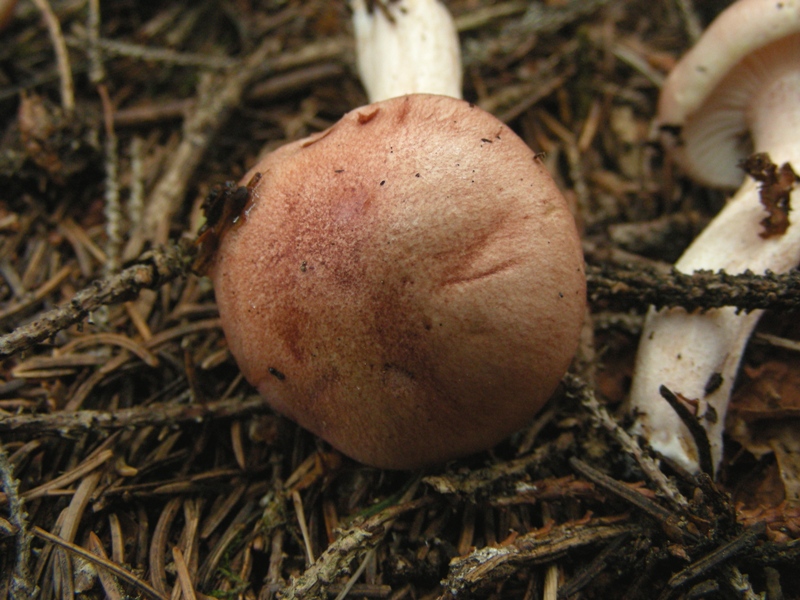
408	284
707	95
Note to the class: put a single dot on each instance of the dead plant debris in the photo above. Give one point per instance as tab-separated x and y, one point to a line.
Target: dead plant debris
776	185
135	461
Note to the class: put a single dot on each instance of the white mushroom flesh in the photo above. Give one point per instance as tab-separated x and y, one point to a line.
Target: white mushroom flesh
407	47
688	353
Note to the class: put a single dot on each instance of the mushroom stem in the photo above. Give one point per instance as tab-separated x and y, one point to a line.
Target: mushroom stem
407	47
698	355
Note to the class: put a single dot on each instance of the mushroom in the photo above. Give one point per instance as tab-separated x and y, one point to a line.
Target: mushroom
408	284
742	76
407	48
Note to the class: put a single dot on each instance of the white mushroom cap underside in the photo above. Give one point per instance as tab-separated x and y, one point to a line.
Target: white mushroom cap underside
740	29
730	124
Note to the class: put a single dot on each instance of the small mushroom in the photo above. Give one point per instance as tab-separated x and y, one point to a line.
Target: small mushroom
742	77
408	284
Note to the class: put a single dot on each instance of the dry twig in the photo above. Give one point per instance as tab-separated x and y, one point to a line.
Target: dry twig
70	424
336	560
154	269
586	396
22	584
637	288
483	567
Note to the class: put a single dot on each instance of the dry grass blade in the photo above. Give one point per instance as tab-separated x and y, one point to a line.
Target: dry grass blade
59	482
36	296
100	562
301	520
110	584
158	546
184	577
60	46
114	339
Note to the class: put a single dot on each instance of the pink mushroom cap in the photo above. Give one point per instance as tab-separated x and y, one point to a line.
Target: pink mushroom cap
408	284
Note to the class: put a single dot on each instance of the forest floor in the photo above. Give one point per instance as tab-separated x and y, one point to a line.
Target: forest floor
137	462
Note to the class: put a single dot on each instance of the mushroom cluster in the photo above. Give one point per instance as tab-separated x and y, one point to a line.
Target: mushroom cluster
409	283
735	93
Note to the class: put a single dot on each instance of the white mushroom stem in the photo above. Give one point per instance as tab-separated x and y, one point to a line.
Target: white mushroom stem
688	352
407	47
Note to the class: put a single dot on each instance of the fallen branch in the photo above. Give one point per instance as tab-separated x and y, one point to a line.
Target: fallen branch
70	423
154	269
336	560
22	583
621	288
482	567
